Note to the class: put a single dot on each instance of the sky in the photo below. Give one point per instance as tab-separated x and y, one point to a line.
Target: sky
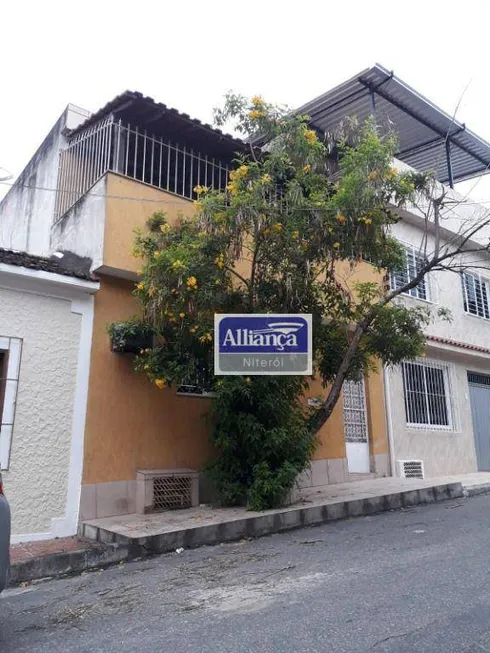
187	54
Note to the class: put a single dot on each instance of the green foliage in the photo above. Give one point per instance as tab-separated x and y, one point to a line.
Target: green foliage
262	436
289	234
130	336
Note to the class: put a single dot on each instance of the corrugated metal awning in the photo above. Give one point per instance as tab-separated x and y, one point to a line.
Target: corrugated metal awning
425	132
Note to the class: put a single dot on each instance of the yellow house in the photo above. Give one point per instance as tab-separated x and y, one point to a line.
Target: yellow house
116	167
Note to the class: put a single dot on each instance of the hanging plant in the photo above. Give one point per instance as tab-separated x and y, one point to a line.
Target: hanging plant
130	337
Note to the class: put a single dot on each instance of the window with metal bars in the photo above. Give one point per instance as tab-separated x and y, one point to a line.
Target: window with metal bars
354	404
475	295
427	394
414	262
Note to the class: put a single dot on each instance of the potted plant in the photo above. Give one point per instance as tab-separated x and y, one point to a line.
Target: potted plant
130	337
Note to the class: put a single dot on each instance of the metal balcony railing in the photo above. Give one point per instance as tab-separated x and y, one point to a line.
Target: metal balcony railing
110	146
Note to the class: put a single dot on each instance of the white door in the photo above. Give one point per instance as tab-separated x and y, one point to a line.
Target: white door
355	425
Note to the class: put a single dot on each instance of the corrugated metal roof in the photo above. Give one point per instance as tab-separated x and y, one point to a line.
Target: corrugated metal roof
421	126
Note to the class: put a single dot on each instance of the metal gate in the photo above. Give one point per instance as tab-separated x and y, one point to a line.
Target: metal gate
479	385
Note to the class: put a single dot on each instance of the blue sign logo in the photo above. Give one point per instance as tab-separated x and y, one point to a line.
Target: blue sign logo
263	344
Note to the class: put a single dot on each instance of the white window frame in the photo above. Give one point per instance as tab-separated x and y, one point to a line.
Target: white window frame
13	348
412	255
484	288
447	375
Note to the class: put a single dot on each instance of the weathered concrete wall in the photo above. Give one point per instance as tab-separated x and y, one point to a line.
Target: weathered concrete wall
27	211
81	229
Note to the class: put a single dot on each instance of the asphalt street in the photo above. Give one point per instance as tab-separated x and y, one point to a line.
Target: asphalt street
413	581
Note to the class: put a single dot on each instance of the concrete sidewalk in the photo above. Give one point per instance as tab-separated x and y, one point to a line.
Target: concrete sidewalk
119	539
169	531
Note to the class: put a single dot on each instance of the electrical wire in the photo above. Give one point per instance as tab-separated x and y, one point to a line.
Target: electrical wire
179	201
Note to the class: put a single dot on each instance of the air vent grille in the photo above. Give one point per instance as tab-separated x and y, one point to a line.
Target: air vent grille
411	468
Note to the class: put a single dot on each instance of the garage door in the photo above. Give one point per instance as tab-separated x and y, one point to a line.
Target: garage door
479	385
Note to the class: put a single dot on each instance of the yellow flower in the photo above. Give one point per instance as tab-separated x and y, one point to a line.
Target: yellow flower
207	337
372	176
277	226
341	218
192	283
146	367
266	178
255	114
177	265
310	136
295	234
160	383
307	168
199	190
257	100
193	329
182	316
367	220
164	228
198	205
232	187
217	282
141	286
220	261
248	380
336	245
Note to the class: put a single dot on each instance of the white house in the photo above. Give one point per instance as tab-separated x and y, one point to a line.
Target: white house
438	407
46	315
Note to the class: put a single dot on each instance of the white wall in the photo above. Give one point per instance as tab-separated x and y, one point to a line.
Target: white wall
37	479
446	291
443	452
81	229
27	210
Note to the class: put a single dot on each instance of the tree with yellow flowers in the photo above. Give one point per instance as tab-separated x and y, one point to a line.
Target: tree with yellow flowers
296	207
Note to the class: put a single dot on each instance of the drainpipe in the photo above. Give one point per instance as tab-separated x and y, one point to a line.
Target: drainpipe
389	421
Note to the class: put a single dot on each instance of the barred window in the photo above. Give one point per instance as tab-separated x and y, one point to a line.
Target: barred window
475	295
414	262
427	394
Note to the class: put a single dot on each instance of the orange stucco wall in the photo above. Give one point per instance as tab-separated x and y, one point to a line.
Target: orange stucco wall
378	435
130	424
129	205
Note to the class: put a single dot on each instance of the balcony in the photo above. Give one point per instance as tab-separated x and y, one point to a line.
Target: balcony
124	149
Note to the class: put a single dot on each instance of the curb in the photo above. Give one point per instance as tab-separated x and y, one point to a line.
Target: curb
114	548
267	524
66	563
475	490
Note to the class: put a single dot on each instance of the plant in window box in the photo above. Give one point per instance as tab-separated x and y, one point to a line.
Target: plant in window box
130	337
